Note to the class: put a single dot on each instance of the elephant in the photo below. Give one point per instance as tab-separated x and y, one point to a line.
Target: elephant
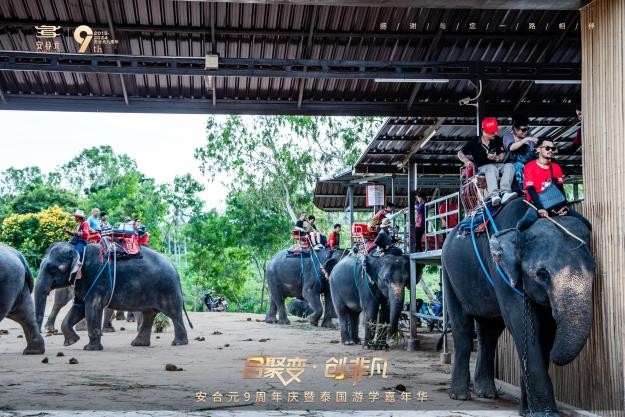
299	307
539	287
62	296
16	285
300	278
149	284
369	284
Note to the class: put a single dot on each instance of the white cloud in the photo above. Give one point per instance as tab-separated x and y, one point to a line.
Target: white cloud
162	144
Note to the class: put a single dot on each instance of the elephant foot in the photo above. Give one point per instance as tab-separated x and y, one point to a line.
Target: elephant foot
93	346
544	413
348	343
460	394
140	342
328	324
108	329
50	328
120	315
81	326
487	391
71	339
314	322
180	342
357	341
130	317
35	349
271	320
285	321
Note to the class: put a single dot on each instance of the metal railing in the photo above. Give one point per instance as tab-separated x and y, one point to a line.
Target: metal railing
441	215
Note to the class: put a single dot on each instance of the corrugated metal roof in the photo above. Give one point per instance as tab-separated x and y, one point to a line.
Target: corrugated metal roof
282	31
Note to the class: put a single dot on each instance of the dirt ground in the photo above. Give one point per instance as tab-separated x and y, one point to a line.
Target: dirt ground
122	377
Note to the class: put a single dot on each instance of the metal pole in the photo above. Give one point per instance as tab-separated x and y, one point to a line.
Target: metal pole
350	194
445	355
413	342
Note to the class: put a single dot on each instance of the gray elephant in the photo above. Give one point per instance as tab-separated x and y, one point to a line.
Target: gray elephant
149	284
62	296
299	307
543	296
16	284
300	277
369	284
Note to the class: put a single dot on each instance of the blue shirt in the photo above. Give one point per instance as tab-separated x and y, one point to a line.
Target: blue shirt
94	223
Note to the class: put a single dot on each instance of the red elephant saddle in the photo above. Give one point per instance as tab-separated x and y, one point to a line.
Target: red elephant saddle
121	244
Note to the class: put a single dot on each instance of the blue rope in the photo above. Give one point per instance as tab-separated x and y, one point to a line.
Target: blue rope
479	258
365	278
95	281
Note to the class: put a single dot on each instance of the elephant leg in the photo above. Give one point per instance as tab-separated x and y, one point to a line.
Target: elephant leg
130	317
145	331
94	327
180	333
282	315
61	297
81	326
311	295
371	320
463	328
107	325
384	329
271	314
488	334
328	311
344	316
76	314
119	315
539	396
24	314
139	317
353	327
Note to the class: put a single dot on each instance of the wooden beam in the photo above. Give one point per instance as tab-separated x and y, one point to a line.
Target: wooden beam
107	10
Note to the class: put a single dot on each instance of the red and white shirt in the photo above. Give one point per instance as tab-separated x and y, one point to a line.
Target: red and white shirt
540	178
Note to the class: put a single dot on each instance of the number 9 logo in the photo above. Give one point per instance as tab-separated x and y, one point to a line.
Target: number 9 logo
83	40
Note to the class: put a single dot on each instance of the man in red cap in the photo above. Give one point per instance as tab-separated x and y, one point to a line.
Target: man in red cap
488	154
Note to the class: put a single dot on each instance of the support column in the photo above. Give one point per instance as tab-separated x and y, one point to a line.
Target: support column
350	196
413	341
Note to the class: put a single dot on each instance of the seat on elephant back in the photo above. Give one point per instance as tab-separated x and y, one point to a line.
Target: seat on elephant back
480	220
121	243
301	241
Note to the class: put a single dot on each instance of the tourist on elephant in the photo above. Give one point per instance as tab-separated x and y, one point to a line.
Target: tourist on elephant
385	242
519	146
80	236
144	236
302	222
388	212
540	176
315	236
334	241
488	155
94	221
105	227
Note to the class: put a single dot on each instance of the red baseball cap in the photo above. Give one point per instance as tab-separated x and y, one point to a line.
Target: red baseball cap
490	125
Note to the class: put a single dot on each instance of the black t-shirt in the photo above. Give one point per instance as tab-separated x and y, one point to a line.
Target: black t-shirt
300	224
478	150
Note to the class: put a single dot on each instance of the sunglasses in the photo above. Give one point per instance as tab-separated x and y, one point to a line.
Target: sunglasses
549	148
523	129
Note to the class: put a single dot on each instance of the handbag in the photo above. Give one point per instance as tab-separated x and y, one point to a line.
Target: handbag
551	196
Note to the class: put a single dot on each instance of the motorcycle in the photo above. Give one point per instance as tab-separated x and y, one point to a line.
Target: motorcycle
215	304
432	312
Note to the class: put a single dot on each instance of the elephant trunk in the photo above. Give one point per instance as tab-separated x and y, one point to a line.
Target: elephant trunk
396	302
572	311
42	289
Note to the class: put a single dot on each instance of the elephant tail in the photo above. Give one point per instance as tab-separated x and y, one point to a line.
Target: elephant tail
28	275
185	313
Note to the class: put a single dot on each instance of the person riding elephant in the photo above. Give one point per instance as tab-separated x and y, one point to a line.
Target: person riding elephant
149	284
80	236
533	282
385	242
16	284
369	284
300	276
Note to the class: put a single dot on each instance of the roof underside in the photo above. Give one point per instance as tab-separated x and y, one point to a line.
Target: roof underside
291	58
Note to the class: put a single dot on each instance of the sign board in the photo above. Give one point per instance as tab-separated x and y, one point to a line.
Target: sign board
375	195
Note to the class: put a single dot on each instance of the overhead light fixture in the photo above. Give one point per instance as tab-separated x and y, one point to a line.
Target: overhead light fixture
211	61
557	81
411	80
427	139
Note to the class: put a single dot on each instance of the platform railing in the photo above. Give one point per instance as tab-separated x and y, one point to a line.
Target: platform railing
441	215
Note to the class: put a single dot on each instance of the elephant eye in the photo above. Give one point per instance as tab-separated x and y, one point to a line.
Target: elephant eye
543	275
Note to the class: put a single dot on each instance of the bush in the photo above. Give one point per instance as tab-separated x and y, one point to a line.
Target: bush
161	322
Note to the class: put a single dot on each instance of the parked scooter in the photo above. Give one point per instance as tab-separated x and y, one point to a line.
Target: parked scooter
215	304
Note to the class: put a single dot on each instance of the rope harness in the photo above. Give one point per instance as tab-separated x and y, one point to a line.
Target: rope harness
112	277
366	279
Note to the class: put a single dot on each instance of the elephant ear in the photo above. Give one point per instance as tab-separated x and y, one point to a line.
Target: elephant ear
329	265
505	248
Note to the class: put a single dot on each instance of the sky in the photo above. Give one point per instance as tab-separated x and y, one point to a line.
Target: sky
162	144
